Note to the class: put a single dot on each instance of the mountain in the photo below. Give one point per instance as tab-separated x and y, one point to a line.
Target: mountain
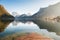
23	17
39	12
3	11
4	15
50	11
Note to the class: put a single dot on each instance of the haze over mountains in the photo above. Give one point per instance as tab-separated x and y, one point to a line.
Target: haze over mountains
50	11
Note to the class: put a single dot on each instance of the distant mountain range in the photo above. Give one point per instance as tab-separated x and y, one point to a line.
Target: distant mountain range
23	17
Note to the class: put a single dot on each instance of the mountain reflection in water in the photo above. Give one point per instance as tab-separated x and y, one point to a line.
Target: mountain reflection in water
7	28
3	25
51	26
18	26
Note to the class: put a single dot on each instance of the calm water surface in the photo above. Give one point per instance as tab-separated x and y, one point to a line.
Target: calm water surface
15	27
50	29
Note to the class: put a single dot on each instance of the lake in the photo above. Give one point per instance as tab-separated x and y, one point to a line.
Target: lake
42	27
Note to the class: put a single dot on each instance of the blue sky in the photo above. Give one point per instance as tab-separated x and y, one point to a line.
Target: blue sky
26	6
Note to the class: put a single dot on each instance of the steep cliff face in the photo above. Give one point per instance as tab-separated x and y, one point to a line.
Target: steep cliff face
3	11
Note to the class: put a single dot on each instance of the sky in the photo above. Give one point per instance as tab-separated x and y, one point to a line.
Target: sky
28	7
